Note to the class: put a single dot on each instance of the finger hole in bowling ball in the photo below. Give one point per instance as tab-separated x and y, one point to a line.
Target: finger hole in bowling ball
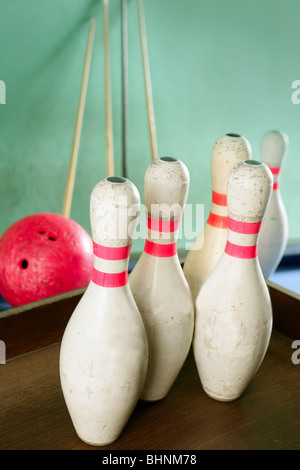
42	232
23	264
52	238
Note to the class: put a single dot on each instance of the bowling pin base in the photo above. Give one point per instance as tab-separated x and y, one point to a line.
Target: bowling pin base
151	400
220	397
97	444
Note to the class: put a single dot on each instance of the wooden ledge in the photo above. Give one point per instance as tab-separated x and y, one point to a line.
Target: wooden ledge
42	323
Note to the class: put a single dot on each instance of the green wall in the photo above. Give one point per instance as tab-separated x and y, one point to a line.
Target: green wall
217	66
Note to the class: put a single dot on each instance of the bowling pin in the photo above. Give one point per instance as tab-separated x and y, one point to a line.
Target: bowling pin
233	309
157	281
274	231
209	245
104	350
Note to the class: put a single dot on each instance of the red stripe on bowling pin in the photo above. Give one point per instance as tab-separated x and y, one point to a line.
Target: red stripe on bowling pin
215	220
241	251
219	199
218	221
109	279
160	250
275	170
109	253
163	225
247	228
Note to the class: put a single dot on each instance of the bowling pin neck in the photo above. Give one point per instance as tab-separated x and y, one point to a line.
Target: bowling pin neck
110	265
249	191
162	231
166	187
274	146
276	171
218	212
114	212
161	239
242	239
227	151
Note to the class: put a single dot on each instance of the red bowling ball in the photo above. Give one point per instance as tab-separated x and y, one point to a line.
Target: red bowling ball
43	255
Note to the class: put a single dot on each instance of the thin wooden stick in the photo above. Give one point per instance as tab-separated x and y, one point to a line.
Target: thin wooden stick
77	133
125	85
109	127
151	120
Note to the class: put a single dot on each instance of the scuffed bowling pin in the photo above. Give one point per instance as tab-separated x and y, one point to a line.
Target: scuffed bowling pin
206	251
104	350
273	237
157	281
233	309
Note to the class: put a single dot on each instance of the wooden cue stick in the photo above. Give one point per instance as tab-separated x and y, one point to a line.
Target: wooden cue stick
125	85
151	120
109	130
77	133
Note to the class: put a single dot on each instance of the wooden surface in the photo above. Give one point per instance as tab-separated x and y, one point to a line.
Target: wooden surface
286	310
33	326
33	414
36	325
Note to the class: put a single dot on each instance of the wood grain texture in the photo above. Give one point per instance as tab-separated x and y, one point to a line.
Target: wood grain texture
286	310
36	325
33	414
42	323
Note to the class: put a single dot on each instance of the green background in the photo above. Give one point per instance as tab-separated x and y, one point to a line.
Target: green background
217	66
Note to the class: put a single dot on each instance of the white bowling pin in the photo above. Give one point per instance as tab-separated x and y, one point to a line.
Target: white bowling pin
157	281
209	245
233	309
104	350
273	236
